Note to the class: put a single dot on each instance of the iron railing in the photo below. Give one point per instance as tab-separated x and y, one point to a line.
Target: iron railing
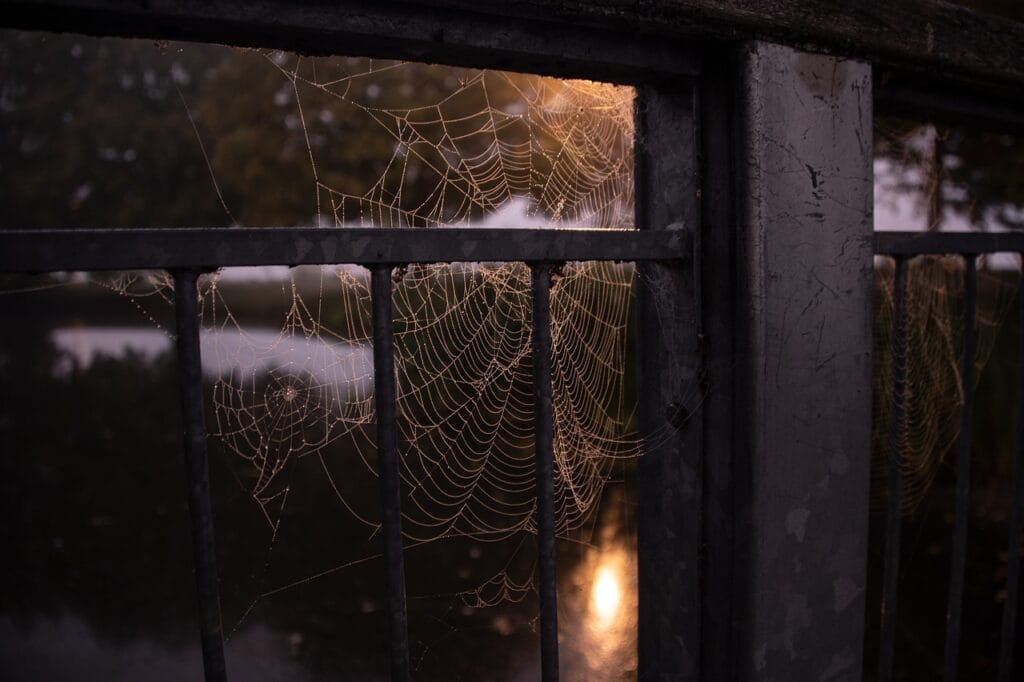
707	592
904	246
184	252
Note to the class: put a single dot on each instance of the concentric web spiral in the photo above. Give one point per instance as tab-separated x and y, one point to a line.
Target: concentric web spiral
491	149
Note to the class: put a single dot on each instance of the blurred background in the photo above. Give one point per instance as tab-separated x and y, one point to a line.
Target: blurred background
96	570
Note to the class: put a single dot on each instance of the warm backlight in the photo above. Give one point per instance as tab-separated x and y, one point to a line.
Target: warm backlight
606	594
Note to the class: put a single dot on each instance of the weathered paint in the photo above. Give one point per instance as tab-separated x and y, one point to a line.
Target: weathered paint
804	413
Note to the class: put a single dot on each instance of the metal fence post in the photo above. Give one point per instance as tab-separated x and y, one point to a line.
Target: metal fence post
804	409
894	471
544	425
669	380
385	399
197	470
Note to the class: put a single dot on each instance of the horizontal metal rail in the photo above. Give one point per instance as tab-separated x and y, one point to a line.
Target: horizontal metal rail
954	105
924	243
519	35
35	251
473	37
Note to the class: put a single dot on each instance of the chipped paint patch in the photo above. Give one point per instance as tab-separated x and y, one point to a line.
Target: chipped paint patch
796	523
845	591
836	666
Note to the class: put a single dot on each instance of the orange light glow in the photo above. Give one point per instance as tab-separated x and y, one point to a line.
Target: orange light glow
606	594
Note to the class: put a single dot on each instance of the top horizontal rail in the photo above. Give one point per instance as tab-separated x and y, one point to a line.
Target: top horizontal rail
922	243
919	35
474	36
34	251
957	103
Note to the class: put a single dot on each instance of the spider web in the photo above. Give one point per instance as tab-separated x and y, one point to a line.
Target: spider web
494	149
912	171
934	351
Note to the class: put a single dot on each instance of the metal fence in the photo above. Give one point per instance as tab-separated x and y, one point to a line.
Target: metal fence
753	173
184	253
903	247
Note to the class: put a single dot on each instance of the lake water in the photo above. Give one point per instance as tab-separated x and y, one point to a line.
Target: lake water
349	367
97	572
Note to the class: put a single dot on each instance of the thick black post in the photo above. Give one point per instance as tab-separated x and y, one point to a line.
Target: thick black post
387	466
545	452
806	281
670	393
1007	638
197	471
954	608
718	284
894	511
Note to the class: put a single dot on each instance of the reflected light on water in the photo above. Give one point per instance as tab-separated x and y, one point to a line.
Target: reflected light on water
606	595
607	629
600	627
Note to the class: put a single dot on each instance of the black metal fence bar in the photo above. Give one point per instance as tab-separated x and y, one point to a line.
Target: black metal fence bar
206	248
387	465
900	97
422	32
545	454
197	471
954	610
1007	636
897	432
923	243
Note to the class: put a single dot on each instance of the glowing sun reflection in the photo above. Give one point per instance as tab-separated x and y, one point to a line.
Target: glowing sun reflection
606	594
601	604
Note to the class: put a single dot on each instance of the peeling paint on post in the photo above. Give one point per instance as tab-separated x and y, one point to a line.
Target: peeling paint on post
804	411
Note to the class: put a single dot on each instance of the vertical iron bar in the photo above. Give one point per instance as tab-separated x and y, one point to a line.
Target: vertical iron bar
387	465
544	424
197	471
954	608
894	511
1006	641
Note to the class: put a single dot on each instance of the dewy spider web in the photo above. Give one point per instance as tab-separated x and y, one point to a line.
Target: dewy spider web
494	149
934	398
911	173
